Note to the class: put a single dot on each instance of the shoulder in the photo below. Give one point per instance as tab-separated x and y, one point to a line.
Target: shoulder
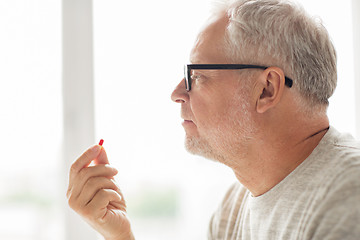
338	158
337	215
339	172
342	143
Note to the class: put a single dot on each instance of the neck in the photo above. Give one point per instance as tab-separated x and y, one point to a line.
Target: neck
267	164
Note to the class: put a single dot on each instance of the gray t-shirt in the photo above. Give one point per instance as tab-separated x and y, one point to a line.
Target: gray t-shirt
319	200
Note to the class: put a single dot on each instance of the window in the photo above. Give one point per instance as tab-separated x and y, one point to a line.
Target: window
31	121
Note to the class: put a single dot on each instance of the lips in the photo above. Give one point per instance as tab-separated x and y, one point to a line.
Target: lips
188	121
188	124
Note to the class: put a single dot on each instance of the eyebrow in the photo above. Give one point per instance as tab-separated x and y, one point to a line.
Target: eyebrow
205	71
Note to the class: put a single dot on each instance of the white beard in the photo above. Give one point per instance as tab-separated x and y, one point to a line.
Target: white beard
200	147
224	143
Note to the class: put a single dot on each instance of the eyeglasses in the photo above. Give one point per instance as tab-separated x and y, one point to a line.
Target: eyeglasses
189	67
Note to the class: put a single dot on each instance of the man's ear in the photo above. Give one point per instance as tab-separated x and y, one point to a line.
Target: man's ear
272	82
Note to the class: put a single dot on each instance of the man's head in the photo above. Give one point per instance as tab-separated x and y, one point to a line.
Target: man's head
226	111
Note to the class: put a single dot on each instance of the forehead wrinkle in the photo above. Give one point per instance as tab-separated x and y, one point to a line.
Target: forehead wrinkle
208	47
195	56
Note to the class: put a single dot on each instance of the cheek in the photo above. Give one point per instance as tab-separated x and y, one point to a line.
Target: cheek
220	106
212	112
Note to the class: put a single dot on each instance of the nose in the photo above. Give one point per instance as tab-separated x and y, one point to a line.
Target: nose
180	95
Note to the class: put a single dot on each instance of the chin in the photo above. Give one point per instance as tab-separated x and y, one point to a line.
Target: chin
201	147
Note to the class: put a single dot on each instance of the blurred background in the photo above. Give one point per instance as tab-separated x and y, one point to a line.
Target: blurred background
75	71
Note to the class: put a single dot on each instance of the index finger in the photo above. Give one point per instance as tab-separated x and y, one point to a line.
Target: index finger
101	157
83	161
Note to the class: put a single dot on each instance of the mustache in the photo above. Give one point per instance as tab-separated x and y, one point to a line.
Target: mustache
186	115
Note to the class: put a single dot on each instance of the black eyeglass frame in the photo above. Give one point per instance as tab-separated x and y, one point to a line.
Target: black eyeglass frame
189	67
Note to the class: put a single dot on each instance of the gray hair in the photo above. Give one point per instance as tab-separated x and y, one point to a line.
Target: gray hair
280	33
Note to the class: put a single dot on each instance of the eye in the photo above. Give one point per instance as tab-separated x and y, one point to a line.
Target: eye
197	77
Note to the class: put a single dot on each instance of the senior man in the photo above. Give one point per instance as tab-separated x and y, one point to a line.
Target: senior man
254	98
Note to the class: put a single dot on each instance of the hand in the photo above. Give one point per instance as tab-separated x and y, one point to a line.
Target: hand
94	195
